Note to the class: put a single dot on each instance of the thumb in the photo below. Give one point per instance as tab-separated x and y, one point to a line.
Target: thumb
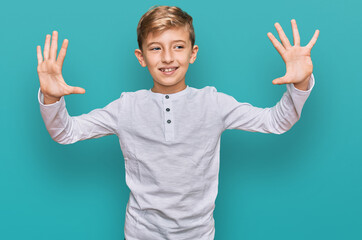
281	80
278	81
77	90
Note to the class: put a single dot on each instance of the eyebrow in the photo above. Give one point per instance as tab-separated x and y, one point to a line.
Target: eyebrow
161	44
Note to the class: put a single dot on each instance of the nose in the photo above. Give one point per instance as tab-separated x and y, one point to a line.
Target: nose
167	56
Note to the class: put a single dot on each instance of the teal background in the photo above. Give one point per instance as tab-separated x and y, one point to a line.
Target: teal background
304	184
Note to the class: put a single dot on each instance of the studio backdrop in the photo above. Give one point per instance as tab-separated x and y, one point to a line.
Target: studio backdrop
303	184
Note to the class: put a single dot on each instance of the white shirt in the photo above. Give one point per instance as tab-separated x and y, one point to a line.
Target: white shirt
171	148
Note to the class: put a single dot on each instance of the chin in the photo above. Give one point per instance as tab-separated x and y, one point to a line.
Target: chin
168	83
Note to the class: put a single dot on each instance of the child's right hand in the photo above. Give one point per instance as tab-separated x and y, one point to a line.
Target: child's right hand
49	70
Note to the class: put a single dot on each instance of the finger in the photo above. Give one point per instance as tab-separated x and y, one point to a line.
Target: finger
278	46
313	40
62	52
54	46
296	36
39	56
282	36
46	47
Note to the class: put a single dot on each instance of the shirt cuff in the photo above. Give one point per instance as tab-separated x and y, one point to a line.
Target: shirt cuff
41	100
295	90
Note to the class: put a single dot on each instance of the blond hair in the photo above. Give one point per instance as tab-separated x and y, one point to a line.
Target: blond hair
161	18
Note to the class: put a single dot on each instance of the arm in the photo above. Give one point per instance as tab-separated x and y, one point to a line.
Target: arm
287	111
65	129
61	127
278	119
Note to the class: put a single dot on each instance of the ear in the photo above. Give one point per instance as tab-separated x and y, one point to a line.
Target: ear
139	56
194	54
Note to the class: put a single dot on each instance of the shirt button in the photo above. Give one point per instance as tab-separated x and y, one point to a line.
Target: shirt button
169	121
167	97
167	109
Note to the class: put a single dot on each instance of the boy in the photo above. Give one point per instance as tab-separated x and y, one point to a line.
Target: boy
170	134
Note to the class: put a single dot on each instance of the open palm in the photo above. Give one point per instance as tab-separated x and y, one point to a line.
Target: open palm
297	59
49	70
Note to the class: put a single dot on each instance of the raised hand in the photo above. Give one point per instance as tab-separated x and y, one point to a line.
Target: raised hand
297	59
49	70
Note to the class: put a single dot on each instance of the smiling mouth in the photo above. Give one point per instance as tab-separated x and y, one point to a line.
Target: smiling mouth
168	70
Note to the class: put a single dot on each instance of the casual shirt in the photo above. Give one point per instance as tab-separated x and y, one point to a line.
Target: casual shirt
171	147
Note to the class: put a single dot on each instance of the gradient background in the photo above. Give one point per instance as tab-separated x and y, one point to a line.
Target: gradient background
304	184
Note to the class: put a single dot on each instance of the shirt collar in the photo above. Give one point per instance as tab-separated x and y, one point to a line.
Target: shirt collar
171	95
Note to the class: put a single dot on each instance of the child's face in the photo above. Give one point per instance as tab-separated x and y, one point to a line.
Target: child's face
167	56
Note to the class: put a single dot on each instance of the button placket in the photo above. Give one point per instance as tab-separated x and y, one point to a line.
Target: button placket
168	118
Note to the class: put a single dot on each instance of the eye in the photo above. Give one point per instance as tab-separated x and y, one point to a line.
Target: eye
179	47
155	48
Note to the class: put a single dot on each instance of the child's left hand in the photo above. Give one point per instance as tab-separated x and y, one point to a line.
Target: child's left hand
297	59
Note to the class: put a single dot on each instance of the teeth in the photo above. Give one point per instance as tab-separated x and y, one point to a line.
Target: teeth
167	69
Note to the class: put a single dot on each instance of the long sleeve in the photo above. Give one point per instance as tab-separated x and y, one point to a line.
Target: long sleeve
277	119
65	129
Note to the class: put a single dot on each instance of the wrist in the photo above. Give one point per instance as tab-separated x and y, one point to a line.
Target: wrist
50	100
303	85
